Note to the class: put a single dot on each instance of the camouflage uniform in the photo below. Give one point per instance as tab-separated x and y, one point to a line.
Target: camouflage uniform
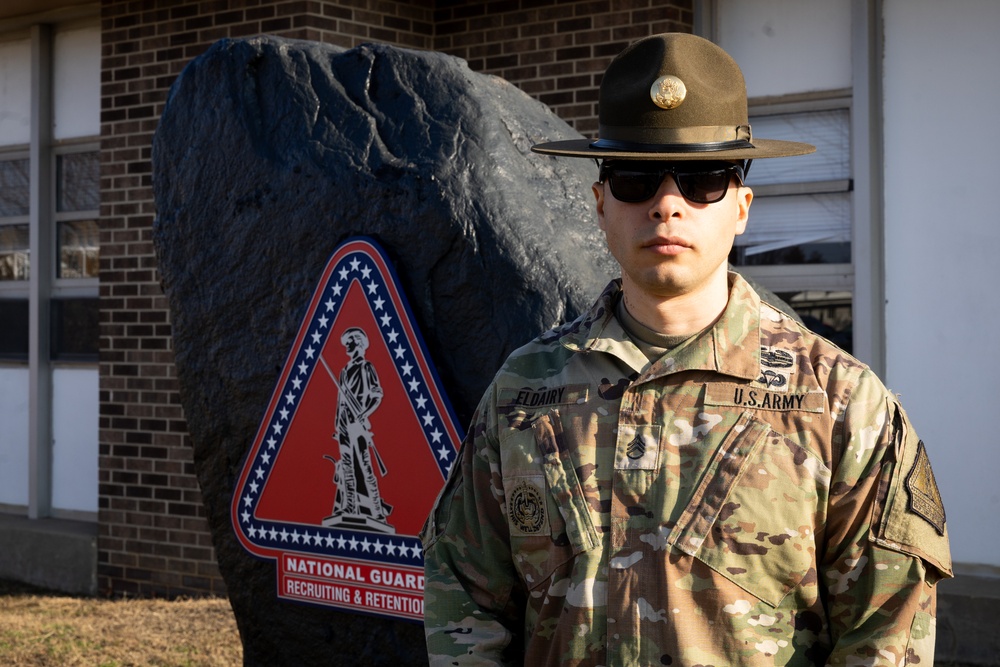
754	497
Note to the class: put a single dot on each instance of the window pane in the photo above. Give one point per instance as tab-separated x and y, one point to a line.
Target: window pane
78	182
826	313
14	331
829	131
802	229
14	254
14	187
75	332
79	249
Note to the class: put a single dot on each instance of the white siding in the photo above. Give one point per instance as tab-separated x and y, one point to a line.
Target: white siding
942	231
15	92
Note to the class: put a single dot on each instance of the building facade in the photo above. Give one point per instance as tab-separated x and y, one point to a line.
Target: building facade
97	487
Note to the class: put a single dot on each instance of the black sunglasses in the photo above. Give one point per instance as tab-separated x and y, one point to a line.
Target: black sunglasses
698	182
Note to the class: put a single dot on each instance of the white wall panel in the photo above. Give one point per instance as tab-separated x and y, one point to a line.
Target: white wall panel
942	239
76	82
15	92
75	452
14	435
788	46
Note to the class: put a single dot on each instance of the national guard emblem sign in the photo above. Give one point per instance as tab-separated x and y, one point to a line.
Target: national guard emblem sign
354	446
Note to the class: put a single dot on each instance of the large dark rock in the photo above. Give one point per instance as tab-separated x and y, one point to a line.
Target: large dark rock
270	153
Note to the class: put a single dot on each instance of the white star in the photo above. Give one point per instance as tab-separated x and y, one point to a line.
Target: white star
341	542
277	427
317	337
379	302
436	435
428	419
400	351
302	369
385	320
254	486
284	535
252	531
297	383
421	402
391	549
295	537
271	442
330	303
443	453
379	546
372	286
290	397
343	273
274	533
355	264
365	272
323	322
284	414
329	541
392	336
337	290
245	516
414	385
354	543
406	368
310	351
266	458
260	473
366	545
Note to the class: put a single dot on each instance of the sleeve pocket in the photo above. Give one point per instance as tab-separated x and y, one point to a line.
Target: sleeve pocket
540	545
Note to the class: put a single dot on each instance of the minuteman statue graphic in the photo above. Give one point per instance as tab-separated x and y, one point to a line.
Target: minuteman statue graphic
358	503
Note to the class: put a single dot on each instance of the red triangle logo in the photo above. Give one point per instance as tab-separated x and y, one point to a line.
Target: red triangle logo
354	447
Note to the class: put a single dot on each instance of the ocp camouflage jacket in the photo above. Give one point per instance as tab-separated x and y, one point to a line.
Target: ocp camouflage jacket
754	497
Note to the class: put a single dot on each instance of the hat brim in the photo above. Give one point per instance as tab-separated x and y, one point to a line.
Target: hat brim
762	148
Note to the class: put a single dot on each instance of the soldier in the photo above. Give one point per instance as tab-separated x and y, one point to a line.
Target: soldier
683	475
359	393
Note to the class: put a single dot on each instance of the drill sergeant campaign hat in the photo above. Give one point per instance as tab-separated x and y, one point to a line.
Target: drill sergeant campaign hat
671	97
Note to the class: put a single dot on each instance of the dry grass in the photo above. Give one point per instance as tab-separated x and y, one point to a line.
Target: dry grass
39	628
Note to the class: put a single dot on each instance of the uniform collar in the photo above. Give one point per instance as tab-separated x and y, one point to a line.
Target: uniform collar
731	346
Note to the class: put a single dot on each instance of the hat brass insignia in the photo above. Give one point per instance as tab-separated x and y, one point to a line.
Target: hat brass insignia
668	92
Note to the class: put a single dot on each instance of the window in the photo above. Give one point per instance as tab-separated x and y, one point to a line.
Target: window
49	263
798	242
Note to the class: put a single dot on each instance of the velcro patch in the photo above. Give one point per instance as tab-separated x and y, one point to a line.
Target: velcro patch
925	499
776	368
526	506
530	397
638	447
731	394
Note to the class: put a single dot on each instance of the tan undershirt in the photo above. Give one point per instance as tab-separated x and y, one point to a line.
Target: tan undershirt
651	343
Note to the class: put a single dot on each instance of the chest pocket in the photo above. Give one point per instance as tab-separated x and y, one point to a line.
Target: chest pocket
547	512
754	514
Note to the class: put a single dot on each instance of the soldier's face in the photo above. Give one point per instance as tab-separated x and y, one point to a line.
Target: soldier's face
667	245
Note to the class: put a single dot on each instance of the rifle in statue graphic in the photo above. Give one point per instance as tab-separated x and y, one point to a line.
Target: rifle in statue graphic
357	412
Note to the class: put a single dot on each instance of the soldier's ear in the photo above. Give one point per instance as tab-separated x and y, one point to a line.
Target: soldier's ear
598	189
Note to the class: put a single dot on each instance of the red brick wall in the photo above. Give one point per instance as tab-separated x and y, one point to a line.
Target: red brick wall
153	537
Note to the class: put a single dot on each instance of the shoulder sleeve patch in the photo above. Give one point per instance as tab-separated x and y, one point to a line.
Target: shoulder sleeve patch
909	515
925	499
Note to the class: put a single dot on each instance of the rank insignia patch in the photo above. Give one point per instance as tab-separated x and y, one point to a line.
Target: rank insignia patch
925	499
352	450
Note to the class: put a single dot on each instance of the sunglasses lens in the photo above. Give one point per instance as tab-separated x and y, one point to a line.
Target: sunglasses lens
704	187
634	186
698	183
